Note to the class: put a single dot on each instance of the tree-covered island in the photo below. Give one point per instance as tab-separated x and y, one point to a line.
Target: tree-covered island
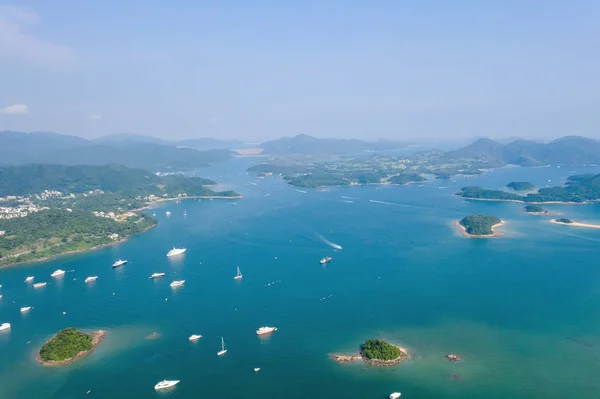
376	352
49	210
564	221
535	210
479	225
69	345
520	186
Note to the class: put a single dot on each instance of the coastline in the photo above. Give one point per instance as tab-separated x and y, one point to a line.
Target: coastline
345	359
495	233
576	224
525	202
97	338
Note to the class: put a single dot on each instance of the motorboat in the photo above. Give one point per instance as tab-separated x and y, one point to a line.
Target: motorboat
164	384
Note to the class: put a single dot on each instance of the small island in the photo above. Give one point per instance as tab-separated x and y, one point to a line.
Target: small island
69	345
520	185
479	226
535	210
569	222
376	352
406	178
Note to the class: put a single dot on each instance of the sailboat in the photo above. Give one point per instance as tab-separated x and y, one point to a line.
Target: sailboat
223	350
239	274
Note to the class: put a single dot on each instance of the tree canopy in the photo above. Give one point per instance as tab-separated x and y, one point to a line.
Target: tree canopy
479	225
66	344
376	349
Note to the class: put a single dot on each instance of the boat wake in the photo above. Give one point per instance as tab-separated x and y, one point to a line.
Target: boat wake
394	204
326	241
347	201
301	191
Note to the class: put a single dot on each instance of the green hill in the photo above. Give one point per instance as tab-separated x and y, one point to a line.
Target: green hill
479	225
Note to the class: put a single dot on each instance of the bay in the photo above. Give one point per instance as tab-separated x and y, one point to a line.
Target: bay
521	310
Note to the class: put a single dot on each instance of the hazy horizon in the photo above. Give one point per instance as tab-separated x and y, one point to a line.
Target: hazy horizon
383	70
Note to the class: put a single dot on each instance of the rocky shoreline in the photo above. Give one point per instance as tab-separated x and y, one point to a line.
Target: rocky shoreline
97	338
345	359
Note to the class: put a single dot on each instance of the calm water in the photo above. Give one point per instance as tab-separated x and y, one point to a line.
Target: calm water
523	310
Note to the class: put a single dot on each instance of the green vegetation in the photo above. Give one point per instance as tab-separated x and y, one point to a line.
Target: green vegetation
564	220
520	186
66	344
55	231
479	225
405	178
481	193
376	349
317	180
534	209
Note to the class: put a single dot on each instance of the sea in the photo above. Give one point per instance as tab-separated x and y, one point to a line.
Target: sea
522	310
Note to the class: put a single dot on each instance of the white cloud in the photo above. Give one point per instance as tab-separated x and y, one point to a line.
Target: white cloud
16	43
94	118
15	109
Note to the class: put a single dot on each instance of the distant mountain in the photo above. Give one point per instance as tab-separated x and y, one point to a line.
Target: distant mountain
570	150
128	138
205	143
129	150
210	144
307	145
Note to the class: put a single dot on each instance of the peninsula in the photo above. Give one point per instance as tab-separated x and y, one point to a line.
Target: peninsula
375	352
479	226
569	222
69	345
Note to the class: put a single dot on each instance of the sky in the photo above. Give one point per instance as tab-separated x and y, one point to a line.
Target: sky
256	70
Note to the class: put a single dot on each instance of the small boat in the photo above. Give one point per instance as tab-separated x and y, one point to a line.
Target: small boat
325	260
184	213
177	283
194	337
91	279
119	263
29	279
57	273
164	384
25	309
39	285
4	326
157	275
238	275
265	330
176	251
223	350
168	213
395	395
256	368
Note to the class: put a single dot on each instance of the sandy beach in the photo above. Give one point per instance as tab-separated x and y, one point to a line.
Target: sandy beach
577	224
495	233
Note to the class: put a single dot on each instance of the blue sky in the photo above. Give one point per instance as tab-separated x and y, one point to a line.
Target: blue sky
264	69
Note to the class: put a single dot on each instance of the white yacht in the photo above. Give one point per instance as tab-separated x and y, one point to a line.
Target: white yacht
39	285
336	246
176	251
256	368
223	350
91	279
29	279
166	384
168	213
157	275
119	263
4	326
177	283
57	273
194	337
395	395
25	309
265	330
238	275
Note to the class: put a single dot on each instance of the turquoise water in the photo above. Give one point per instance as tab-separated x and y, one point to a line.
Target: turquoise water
523	310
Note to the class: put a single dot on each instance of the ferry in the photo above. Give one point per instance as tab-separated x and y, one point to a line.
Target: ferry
25	309
4	326
39	285
265	330
395	395
29	279
119	263
177	283
194	337
166	384
176	251
91	279
157	275
325	260
57	273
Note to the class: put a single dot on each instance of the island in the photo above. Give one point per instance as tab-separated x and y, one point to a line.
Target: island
520	186
569	222
535	210
479	226
578	189
51	210
406	178
69	345
375	352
